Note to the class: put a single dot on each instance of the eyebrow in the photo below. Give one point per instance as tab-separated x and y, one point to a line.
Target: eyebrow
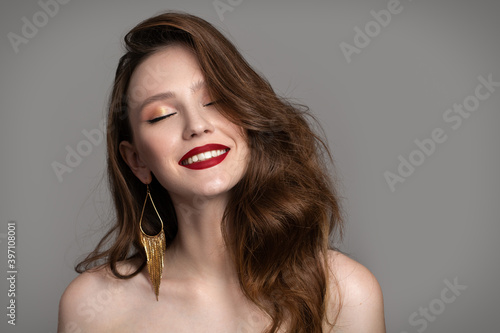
169	94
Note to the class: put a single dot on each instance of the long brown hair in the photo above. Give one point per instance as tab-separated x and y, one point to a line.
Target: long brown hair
282	213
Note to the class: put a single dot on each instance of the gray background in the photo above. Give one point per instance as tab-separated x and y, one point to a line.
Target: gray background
441	223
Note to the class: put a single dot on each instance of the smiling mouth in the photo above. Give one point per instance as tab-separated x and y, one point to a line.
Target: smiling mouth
204	156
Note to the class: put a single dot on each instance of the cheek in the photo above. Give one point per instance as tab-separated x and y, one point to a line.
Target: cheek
243	146
242	140
237	132
155	150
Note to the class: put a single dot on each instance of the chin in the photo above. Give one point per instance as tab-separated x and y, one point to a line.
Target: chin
214	190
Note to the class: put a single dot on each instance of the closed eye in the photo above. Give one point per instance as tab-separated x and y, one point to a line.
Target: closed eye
152	121
209	104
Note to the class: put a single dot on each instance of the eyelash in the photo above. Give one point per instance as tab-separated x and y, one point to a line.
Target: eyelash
152	121
209	104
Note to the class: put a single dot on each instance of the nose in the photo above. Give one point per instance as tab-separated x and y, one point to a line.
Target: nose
197	123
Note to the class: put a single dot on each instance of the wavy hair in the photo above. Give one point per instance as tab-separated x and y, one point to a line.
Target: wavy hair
281	215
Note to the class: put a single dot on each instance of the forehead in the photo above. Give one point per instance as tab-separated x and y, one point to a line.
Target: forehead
170	68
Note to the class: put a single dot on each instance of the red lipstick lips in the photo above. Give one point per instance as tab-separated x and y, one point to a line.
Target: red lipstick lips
204	162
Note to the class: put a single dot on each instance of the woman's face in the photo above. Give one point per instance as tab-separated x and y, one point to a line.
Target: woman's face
178	133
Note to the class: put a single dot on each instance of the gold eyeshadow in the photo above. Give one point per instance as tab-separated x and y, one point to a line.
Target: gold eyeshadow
158	112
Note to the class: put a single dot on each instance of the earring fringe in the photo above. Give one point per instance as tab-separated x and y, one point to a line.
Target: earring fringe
154	247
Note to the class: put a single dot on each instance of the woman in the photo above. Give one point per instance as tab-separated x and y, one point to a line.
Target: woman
238	240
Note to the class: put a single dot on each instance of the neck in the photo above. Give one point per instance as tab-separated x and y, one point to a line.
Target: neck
198	250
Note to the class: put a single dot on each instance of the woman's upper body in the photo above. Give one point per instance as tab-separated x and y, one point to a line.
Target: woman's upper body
96	301
240	181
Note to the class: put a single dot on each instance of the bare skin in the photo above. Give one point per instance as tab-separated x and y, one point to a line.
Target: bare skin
98	302
199	291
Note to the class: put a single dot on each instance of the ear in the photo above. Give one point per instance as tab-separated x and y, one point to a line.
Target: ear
133	160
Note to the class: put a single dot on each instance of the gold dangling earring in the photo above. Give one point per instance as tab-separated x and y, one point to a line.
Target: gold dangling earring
155	247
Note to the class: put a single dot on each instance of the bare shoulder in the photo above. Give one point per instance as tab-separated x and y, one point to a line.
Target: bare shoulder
359	295
87	303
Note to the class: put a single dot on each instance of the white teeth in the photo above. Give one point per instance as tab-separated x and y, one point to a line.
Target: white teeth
204	156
